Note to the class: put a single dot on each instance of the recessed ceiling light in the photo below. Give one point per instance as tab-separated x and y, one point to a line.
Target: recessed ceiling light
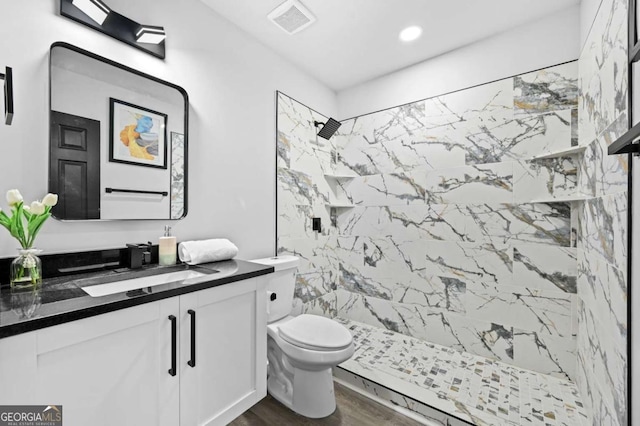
410	33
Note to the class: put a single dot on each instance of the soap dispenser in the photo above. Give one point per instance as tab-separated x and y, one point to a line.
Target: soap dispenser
167	248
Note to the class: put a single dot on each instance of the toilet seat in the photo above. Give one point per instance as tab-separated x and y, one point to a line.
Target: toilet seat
315	333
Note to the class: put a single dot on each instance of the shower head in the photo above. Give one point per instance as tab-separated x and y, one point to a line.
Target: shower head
328	128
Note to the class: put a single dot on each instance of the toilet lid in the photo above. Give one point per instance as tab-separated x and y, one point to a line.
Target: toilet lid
315	332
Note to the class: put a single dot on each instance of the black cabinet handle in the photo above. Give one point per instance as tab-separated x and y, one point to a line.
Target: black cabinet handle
174	335
192	361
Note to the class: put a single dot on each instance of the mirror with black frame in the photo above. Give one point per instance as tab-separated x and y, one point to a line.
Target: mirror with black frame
118	140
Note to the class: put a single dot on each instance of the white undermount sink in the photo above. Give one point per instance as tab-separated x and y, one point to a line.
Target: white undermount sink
188	276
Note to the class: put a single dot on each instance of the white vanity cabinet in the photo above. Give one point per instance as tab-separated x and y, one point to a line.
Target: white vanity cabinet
230	370
114	368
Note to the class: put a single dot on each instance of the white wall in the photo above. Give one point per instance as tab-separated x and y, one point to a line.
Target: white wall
231	80
549	41
588	12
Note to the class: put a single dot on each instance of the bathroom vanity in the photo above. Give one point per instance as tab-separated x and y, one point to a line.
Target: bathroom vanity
188	352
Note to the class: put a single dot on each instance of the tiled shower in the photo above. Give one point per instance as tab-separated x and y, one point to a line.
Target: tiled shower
446	221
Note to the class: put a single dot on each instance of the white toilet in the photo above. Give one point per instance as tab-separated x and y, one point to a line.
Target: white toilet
301	350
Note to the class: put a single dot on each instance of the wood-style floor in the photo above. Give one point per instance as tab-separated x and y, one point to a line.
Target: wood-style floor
353	409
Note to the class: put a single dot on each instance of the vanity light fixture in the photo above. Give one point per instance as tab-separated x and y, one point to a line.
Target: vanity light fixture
150	34
97	15
94	9
410	33
8	95
328	128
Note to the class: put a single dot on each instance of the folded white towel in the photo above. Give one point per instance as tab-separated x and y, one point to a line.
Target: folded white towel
203	251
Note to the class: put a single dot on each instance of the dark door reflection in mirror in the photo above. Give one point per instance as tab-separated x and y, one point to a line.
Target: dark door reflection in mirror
95	149
74	166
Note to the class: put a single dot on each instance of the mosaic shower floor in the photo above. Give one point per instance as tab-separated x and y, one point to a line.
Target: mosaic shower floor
466	386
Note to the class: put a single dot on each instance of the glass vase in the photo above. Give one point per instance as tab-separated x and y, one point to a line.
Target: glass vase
26	282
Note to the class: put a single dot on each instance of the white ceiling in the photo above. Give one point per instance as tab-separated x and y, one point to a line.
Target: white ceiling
354	41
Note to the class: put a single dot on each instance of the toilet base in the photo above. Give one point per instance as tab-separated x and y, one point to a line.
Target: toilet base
313	397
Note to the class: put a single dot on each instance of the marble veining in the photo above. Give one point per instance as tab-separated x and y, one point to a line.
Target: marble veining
469	387
547	89
544	178
602	221
550	268
442	241
471	184
177	175
603	71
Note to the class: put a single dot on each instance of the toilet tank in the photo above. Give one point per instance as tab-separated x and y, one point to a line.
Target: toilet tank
280	285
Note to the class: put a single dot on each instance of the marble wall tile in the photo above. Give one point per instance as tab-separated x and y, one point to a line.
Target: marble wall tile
549	89
429	222
382	142
611	171
531	135
546	354
457	332
310	160
436	216
384	190
394	252
544	179
545	267
393	269
473	262
542	311
483	338
503	138
603	228
574	127
542	223
471	184
283	150
325	305
438	155
548	223
363	158
603	71
603	289
602	174
295	122
602	369
486	103
518	138
295	221
316	273
587	169
401	123
298	188
177	175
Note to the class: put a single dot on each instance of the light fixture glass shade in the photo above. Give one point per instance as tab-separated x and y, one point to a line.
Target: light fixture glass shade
150	34
94	9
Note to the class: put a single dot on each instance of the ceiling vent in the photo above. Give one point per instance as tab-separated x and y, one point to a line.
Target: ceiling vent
291	17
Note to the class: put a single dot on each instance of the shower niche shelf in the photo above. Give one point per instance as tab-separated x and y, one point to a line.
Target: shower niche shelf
340	205
574	150
339	176
566	199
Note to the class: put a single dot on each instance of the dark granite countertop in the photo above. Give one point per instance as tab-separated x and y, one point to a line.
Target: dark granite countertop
63	299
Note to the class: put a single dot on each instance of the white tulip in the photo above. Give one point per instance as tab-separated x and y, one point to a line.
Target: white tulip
14	197
37	208
50	200
26	208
